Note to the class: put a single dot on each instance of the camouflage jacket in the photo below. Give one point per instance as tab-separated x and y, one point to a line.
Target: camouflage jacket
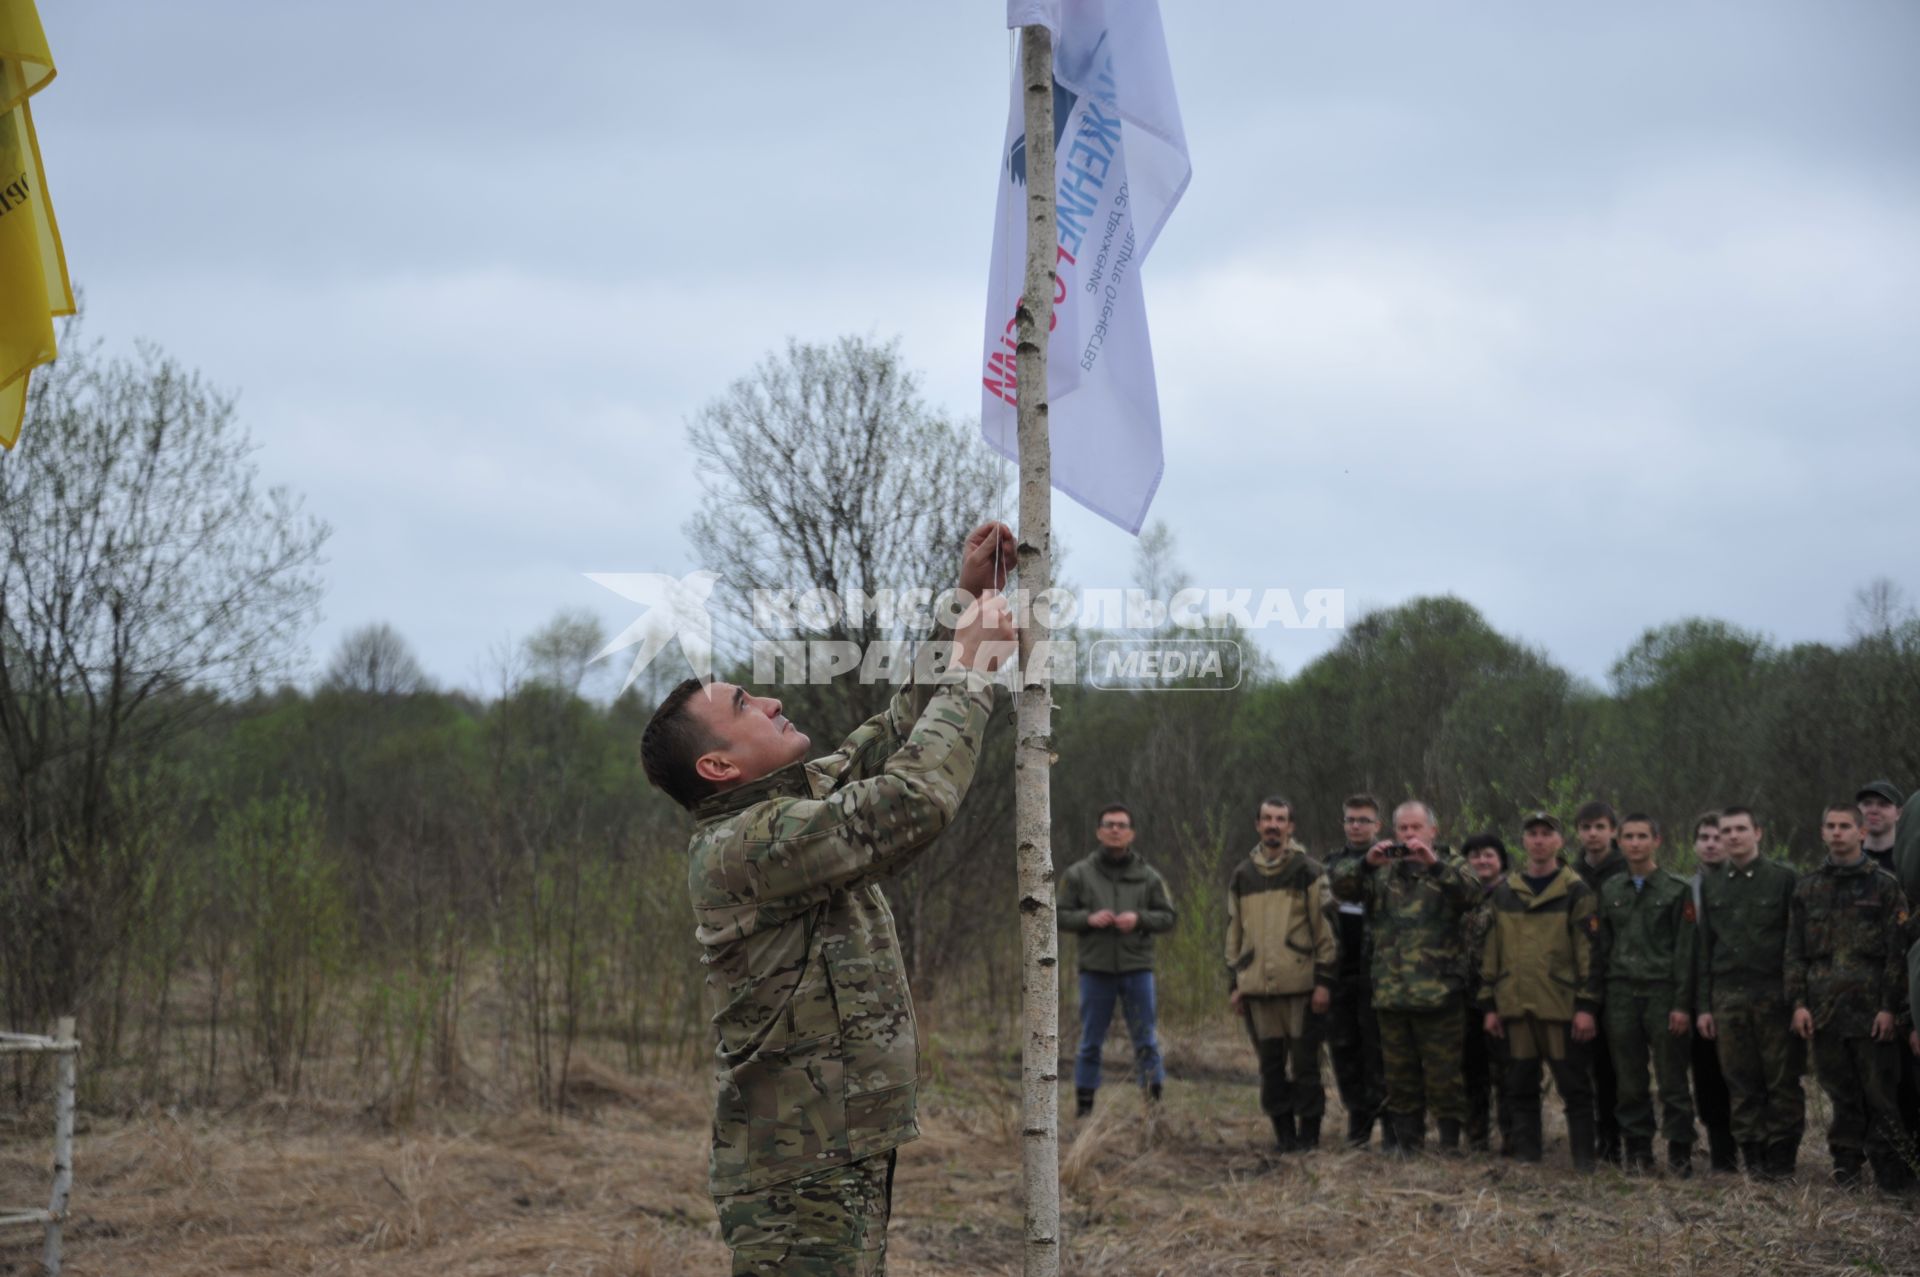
1646	937
1539	953
1843	947
1473	940
816	1054
1743	932
1414	916
1279	935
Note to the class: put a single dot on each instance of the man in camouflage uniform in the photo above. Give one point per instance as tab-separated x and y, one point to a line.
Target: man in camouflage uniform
1597	826
1280	972
1710	1098
1745	909
1844	983
1880	802
1645	957
816	1051
1538	992
1353	1030
1484	1058
1415	903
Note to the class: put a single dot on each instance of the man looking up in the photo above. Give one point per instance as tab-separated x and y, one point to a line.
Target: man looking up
1415	902
1846	985
1744	915
1597	828
1646	957
1353	1031
1115	902
1709	1087
1280	971
1537	988
815	1046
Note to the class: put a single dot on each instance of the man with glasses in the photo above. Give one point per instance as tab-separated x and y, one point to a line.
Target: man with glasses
1353	1033
1115	903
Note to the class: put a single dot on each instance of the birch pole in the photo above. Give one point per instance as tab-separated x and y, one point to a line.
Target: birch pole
1033	750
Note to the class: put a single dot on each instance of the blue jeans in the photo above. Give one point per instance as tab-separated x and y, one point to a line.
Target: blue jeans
1134	989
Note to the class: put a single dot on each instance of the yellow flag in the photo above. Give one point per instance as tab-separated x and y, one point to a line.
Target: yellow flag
33	270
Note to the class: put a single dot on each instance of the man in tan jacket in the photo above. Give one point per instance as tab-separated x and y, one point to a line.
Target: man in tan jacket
1280	965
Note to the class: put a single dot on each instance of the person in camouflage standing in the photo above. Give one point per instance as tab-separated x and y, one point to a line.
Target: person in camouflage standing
1280	972
1597	826
1415	904
1484	1058
1645	957
1710	1099
1844	981
1353	1030
1744	912
1538	991
816	1052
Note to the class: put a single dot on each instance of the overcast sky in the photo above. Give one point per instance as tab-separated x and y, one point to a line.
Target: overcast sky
1597	316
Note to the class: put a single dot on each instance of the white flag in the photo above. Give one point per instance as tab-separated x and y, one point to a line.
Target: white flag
1121	165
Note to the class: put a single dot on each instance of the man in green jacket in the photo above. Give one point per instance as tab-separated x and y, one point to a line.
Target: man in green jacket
1115	903
1416	906
1846	986
1597	826
1745	910
816	1053
1538	989
1645	957
1280	971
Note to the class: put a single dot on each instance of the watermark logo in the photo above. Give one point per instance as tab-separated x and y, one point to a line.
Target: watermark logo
676	609
1164	665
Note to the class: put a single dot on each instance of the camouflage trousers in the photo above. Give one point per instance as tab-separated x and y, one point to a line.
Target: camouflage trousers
1862	1078
1762	1061
831	1223
1636	1029
1420	1051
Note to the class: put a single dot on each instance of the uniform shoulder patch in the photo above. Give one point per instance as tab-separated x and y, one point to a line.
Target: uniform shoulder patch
1900	918
1688	913
1593	924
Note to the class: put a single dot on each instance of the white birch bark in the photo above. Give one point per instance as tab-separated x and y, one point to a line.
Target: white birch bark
68	1069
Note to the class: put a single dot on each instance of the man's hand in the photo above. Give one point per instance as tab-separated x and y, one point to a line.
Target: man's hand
1492	1025
1322	999
1423	855
1126	922
1883	1027
984	638
1584	1029
1377	854
987	558
1236	1003
1678	1023
1102	919
1803	1023
1705	1025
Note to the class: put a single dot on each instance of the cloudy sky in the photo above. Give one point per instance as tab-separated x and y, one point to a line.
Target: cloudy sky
1597	316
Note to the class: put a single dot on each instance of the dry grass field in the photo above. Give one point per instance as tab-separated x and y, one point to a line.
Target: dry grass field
615	1189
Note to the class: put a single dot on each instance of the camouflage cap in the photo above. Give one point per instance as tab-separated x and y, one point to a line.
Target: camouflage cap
1881	789
1546	818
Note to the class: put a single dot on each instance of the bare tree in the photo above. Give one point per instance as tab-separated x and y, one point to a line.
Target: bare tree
560	653
375	660
1879	608
144	571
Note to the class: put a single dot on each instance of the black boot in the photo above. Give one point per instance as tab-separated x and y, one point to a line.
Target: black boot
1580	1141
1890	1172
1153	1092
1082	1101
1781	1157
1722	1152
1449	1135
1359	1131
1309	1134
1526	1135
1753	1156
1284	1137
1409	1133
1389	1134
1847	1164
1640	1155
1679	1159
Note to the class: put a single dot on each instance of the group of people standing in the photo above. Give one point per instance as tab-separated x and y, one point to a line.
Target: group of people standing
1444	986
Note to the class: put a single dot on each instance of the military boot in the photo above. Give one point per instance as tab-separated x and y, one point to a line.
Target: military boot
1285	1139
1891	1173
1781	1157
1153	1092
1580	1141
1679	1159
1722	1153
1449	1141
1359	1130
1389	1137
1526	1135
1082	1101
1640	1155
1847	1164
1409	1133
1753	1156
1309	1134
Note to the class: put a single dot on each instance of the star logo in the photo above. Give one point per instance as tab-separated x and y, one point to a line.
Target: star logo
676	608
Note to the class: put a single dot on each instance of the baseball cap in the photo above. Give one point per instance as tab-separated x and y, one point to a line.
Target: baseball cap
1881	789
1546	818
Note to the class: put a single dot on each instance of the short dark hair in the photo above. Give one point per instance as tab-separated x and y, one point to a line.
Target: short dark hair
1361	800
1485	842
1122	808
1706	818
673	742
1273	800
1852	809
1596	810
1640	818
1727	813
